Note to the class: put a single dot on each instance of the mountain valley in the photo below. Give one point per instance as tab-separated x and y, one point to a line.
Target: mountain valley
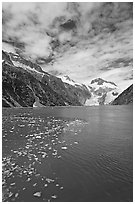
25	84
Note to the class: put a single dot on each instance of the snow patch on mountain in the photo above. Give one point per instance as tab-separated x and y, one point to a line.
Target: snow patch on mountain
68	80
26	67
97	83
37	103
93	101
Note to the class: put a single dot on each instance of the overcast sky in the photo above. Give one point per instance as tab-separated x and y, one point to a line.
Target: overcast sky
82	40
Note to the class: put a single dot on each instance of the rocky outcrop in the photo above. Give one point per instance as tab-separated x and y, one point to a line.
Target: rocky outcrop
100	81
126	97
24	84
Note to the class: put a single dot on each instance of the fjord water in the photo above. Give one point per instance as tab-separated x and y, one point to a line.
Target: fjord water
68	154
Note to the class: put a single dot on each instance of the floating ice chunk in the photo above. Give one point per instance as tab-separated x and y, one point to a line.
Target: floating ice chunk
38	137
46	145
44	155
28	179
12	184
49	180
30	172
61	187
16	195
10	194
55	152
54	196
63	147
37	194
37	175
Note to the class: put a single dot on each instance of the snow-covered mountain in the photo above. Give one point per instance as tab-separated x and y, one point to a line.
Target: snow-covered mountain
102	92
25	84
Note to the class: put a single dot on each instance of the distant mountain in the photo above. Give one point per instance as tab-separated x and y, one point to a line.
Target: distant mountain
126	97
102	92
25	84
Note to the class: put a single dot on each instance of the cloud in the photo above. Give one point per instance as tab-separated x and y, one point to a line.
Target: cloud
37	46
28	24
7	47
64	36
84	40
92	59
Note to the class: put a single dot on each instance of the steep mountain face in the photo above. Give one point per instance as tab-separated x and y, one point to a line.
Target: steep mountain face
80	91
126	97
102	92
24	84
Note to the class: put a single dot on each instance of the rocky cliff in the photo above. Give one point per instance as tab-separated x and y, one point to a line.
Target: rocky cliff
126	97
24	84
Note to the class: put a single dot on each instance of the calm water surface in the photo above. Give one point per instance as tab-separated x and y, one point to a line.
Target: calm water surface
68	154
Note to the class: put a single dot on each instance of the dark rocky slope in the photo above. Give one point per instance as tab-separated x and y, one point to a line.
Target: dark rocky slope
126	97
25	84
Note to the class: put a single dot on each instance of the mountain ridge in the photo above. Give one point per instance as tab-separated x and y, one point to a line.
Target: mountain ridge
126	97
23	84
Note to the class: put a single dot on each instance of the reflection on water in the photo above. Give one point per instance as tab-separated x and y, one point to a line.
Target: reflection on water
67	154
